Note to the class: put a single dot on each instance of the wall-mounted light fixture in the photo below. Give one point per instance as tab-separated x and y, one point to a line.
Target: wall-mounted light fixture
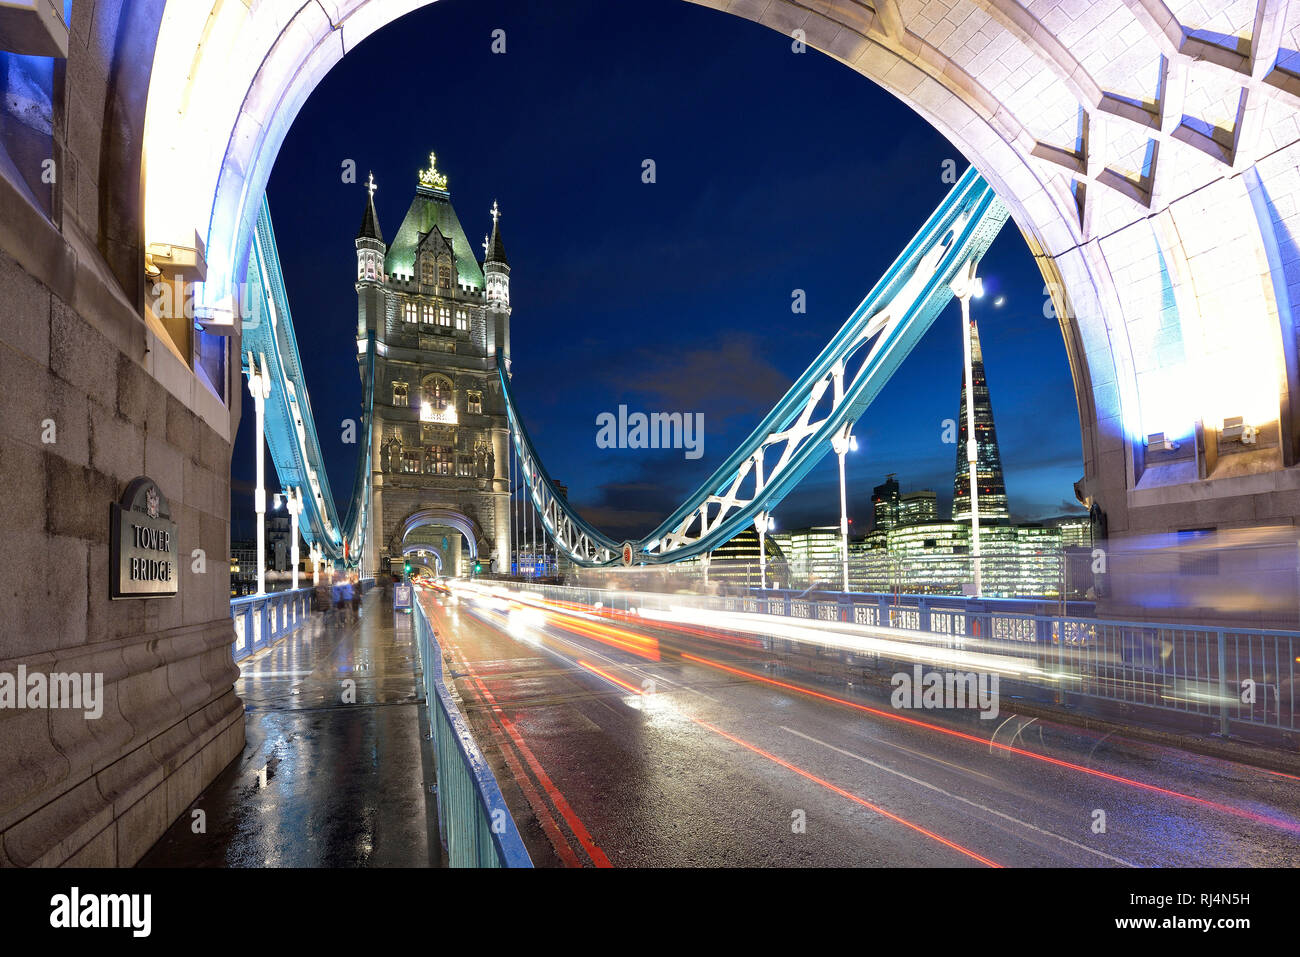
1236	427
33	28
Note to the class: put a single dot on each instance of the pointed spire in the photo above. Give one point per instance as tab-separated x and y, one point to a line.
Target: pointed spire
495	248
976	353
370	221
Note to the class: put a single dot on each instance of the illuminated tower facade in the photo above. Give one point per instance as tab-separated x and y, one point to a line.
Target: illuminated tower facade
439	316
988	469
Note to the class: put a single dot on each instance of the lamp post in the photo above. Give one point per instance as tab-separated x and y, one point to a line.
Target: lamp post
965	285
764	523
843	442
259	384
293	501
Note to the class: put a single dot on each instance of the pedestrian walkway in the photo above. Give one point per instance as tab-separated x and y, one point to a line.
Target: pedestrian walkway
334	772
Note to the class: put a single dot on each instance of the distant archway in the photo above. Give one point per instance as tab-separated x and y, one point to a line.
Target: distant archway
425	550
438	516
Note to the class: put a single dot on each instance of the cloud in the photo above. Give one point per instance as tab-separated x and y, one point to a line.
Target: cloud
632	504
728	380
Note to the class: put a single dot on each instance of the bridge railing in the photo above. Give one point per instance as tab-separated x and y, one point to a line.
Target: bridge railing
1231	676
477	827
262	620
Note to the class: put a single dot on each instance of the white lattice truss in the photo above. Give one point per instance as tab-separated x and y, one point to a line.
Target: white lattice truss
785	443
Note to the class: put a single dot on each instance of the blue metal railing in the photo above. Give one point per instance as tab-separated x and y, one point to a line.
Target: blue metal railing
262	620
477	828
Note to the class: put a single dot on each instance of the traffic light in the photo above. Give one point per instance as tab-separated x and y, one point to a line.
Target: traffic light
408	568
478	566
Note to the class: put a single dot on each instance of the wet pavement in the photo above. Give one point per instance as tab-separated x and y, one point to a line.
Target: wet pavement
333	773
735	757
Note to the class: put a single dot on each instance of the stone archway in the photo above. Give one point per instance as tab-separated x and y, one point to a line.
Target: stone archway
1147	152
422	549
446	517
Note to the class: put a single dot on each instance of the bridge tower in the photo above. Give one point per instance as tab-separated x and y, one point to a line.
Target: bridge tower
440	432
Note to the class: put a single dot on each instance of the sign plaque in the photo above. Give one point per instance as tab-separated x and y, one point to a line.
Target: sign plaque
143	545
401	598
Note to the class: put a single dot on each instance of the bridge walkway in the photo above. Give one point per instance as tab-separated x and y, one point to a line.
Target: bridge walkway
333	772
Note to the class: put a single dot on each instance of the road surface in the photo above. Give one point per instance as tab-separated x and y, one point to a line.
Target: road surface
626	743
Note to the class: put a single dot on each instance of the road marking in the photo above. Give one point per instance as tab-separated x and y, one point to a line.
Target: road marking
557	799
807	774
848	794
956	797
1024	752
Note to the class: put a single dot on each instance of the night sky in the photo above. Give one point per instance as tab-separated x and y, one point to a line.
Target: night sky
776	171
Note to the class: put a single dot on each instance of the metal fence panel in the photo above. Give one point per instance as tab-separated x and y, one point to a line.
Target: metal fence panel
477	827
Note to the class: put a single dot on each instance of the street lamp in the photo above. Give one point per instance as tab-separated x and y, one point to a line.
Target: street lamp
843	442
764	522
293	500
259	384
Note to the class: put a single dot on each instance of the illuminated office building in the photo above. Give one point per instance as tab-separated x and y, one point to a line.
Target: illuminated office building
884	503
736	562
1076	530
812	552
916	507
934	558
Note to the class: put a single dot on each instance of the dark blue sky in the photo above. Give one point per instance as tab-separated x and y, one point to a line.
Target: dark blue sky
776	171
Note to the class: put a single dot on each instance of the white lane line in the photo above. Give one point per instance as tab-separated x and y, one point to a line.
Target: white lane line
955	797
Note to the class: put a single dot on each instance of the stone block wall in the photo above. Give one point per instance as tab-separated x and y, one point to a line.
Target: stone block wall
82	417
92	396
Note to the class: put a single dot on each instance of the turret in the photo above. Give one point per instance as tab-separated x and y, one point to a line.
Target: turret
370	268
496	276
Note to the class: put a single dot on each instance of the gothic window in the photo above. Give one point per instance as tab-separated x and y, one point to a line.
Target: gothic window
444	315
427	270
462	320
412	313
426	312
444	275
437	391
437	400
464	468
440	459
401	396
474	402
411	462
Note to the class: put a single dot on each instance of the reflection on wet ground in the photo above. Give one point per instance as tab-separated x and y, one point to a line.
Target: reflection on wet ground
332	773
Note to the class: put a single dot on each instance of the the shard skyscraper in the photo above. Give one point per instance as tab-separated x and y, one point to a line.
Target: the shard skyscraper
992	489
